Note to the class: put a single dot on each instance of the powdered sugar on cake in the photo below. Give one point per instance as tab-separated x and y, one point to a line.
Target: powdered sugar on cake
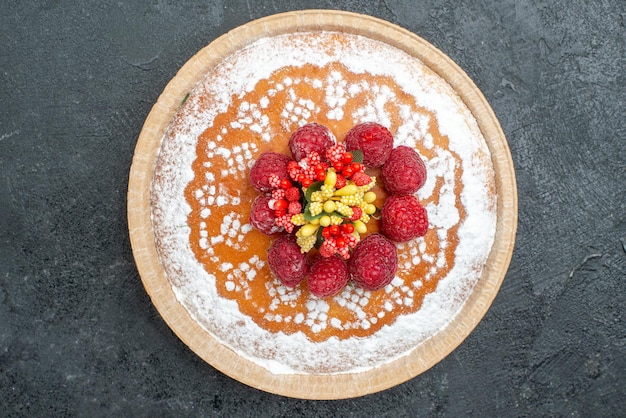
220	224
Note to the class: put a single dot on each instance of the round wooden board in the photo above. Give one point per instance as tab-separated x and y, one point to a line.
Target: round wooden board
312	386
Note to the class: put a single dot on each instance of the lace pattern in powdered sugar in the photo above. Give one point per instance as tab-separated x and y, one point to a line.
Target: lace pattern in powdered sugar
358	85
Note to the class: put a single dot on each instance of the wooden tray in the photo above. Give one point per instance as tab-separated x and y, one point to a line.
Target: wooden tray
309	385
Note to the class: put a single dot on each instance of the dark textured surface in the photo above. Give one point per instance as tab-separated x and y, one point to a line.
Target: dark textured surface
78	333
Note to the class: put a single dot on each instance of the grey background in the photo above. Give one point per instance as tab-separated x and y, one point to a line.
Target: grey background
78	333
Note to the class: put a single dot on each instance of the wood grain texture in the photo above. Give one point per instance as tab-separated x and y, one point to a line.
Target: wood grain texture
318	386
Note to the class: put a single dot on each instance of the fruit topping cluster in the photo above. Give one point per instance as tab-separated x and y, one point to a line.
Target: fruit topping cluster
320	203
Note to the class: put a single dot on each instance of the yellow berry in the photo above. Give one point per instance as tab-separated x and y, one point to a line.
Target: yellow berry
325	220
347	190
306	243
316	208
331	178
369	197
307	230
298	219
344	209
317	196
315	221
329	206
360	227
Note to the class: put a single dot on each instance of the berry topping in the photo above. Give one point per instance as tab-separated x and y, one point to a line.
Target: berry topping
373	139
324	199
262	217
308	138
328	276
286	262
361	179
278	194
341	181
292	194
335	154
374	262
403	218
404	171
269	164
357	212
294	208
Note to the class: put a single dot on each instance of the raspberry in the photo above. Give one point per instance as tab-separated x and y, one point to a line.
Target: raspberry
361	179
328	247
294	208
328	276
373	139
341	181
292	194
274	181
278	194
286	262
336	153
284	220
357	212
403	218
308	138
262	217
404	172
374	262
267	164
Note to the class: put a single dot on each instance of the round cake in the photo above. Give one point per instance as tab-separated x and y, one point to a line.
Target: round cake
201	198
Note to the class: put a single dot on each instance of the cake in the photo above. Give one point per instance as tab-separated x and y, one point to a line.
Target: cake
200	199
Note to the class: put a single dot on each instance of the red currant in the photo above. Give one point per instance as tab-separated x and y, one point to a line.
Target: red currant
326	232
306	182
285	184
347	228
338	166
320	175
347	171
334	229
281	205
356	167
347	158
341	242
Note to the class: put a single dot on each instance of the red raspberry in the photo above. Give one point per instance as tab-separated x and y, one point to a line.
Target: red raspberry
294	208
335	153
286	261
292	194
262	217
373	139
329	275
403	218
374	262
278	194
268	163
284	220
404	172
308	138
361	179
328	247
357	212
341	181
